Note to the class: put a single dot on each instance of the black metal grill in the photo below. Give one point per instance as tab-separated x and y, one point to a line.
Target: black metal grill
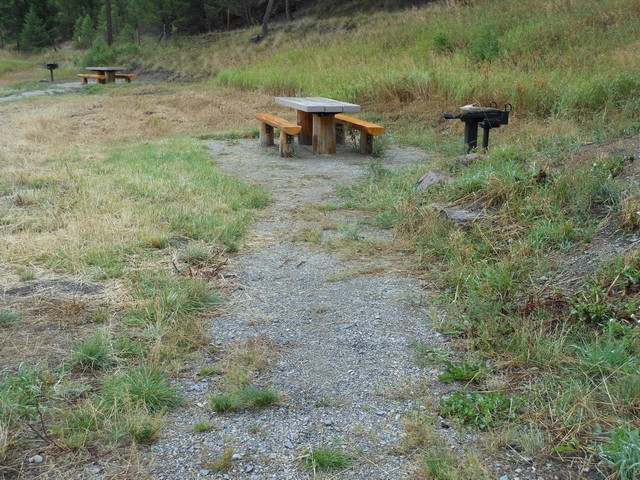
484	117
51	67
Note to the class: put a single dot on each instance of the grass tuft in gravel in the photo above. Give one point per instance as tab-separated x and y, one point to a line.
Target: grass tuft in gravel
143	387
222	463
248	397
326	458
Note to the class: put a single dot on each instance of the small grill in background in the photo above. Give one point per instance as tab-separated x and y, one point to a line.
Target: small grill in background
484	117
51	67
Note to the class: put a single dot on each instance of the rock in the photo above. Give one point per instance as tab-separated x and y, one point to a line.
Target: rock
504	477
288	445
236	456
458	215
36	459
469	158
248	469
429	179
204	472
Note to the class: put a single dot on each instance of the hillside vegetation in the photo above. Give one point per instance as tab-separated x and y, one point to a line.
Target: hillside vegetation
541	290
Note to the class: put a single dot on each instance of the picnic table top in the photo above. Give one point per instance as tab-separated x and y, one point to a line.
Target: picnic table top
317	104
106	69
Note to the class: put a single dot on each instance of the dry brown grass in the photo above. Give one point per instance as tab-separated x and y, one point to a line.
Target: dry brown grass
46	144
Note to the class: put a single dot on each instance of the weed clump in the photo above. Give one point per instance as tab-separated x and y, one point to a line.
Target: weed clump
325	458
482	410
94	353
247	397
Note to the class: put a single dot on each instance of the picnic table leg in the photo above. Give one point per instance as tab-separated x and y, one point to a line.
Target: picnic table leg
305	120
110	77
266	135
324	134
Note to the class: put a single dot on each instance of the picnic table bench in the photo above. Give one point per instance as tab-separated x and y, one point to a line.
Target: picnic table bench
367	131
287	130
127	77
86	76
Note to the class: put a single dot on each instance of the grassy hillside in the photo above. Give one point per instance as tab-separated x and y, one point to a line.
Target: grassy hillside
540	290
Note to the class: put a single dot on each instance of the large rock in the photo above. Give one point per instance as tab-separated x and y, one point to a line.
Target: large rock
430	178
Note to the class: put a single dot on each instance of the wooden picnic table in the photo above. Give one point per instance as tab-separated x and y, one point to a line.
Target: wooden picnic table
109	73
316	116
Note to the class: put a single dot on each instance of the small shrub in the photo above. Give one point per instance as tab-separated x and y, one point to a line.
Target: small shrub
482	410
325	458
486	46
622	453
442	42
8	317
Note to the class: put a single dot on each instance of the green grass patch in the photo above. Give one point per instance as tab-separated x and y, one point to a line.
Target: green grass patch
23	394
9	317
248	397
94	353
326	458
622	453
141	388
481	410
464	371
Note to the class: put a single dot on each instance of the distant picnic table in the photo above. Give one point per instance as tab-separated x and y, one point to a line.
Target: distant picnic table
106	74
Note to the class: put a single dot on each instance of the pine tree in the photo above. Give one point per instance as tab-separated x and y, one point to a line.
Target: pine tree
83	32
33	34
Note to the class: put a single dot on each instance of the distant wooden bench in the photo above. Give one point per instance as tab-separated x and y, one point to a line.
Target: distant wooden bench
126	76
287	131
367	131
86	76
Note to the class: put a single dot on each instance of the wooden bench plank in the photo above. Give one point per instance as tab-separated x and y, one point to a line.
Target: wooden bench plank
370	128
86	76
126	76
367	131
281	124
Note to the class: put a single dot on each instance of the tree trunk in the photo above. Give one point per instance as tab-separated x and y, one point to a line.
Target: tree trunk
287	10
109	32
265	20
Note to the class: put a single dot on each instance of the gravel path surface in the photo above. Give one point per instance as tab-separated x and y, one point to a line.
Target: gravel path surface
339	343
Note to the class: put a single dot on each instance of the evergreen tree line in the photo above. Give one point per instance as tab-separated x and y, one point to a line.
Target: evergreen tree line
33	24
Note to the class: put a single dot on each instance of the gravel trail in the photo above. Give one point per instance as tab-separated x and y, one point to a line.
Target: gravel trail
339	342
